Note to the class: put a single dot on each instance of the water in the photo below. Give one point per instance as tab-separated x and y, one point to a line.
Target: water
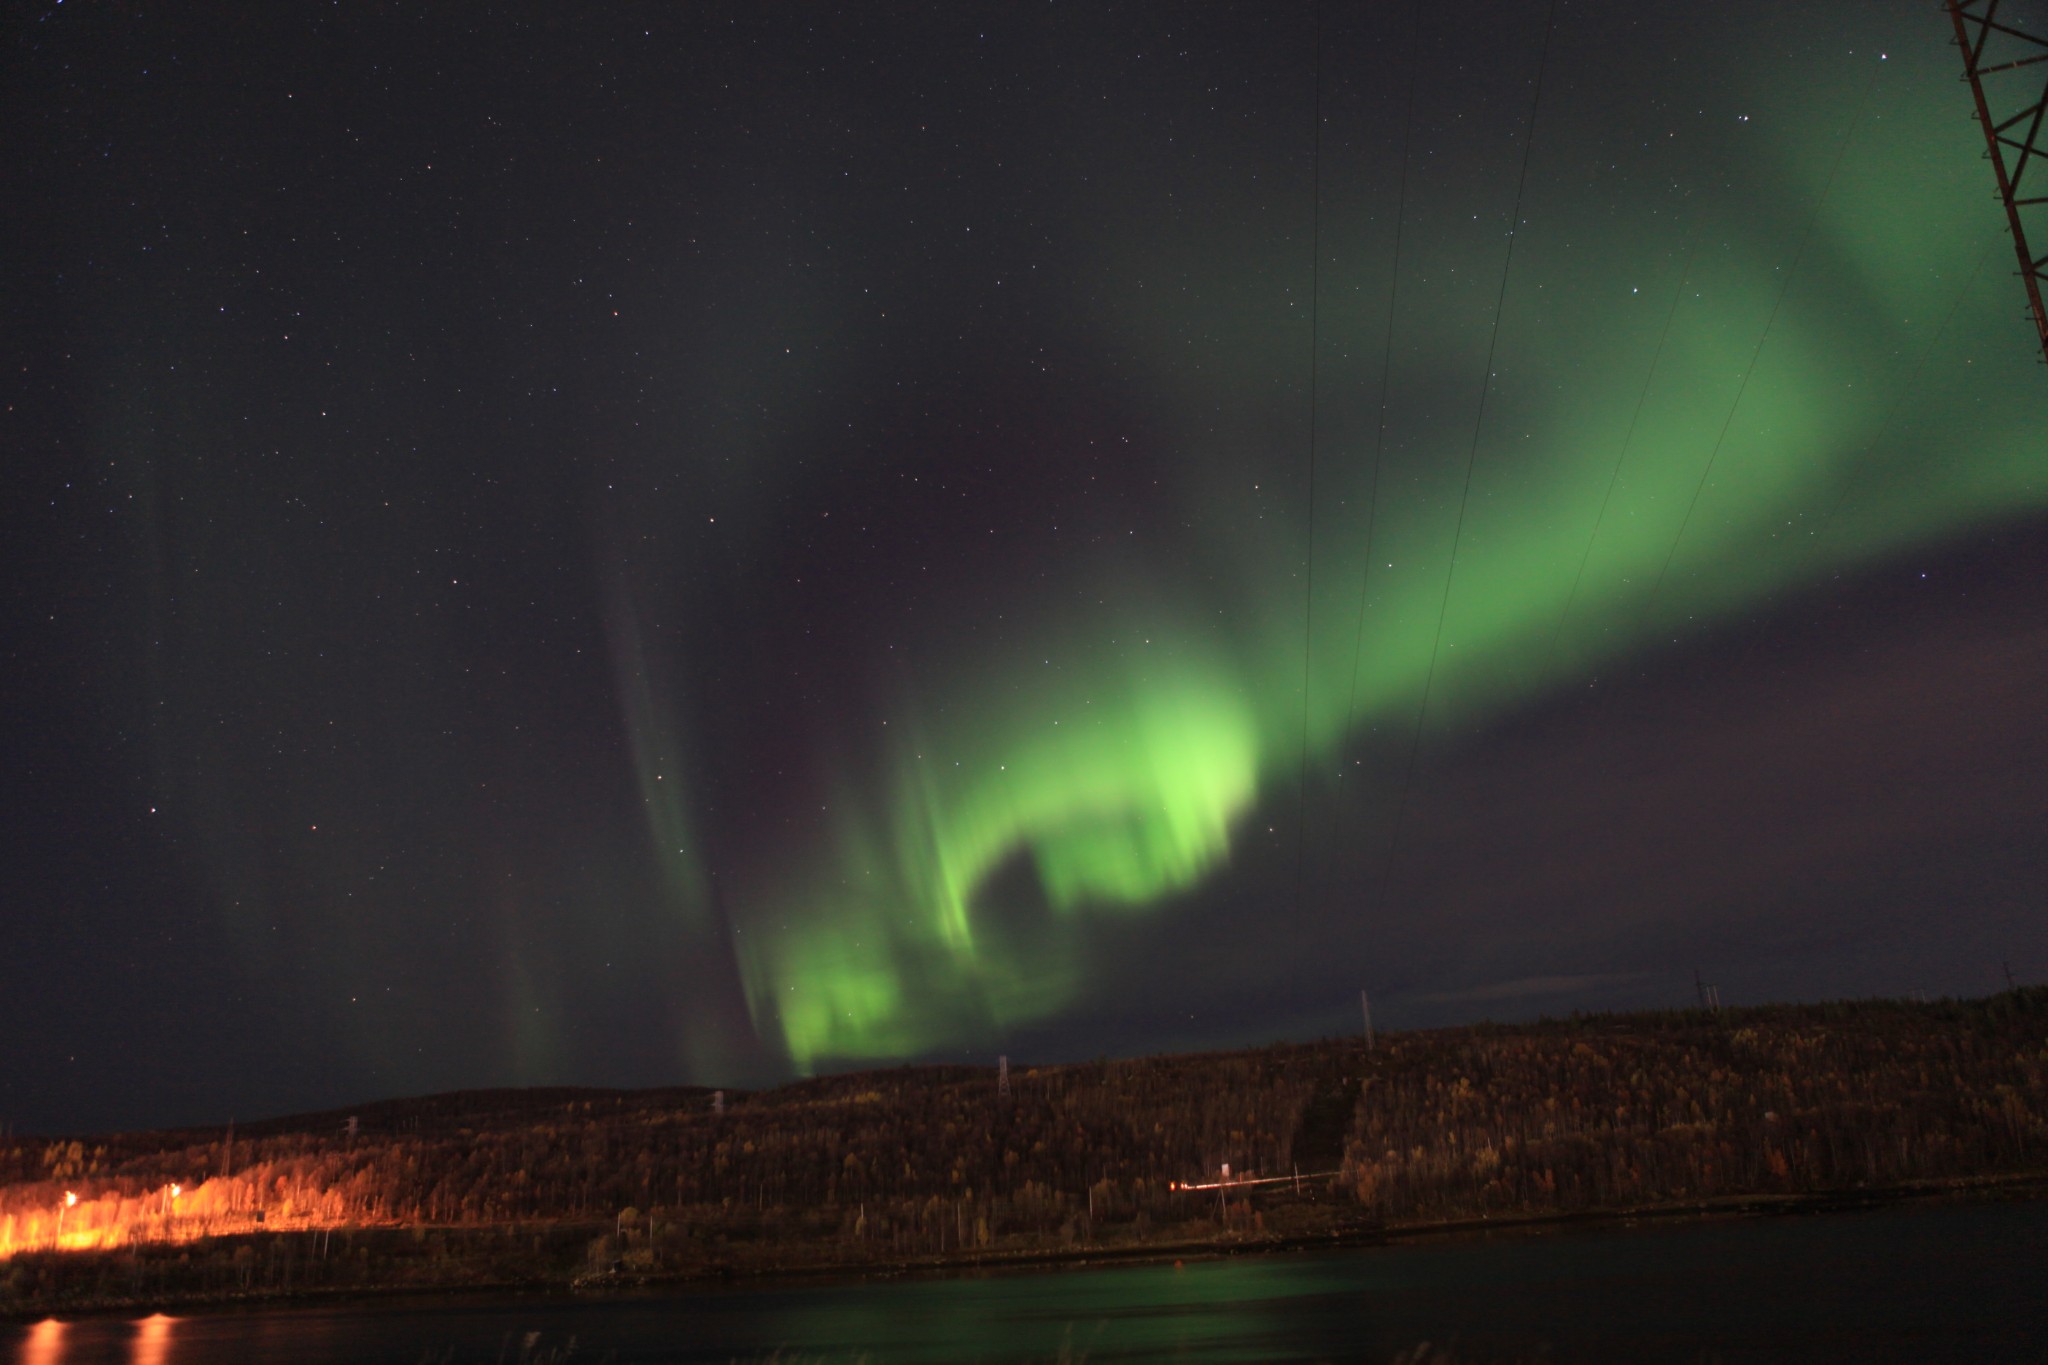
1907	1284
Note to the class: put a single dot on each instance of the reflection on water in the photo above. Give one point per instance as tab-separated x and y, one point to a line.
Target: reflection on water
44	1344
1908	1285
152	1341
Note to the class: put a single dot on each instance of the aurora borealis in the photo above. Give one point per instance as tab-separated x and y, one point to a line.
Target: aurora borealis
697	544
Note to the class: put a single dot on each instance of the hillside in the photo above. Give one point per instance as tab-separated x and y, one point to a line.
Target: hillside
921	1165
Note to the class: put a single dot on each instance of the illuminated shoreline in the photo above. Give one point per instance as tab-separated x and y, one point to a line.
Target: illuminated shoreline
1622	1117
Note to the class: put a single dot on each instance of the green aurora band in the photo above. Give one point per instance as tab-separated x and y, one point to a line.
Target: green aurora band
1116	754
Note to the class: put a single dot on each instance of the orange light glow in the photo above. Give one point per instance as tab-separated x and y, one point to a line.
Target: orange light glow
263	1198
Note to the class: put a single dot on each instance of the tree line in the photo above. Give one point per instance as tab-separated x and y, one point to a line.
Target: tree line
914	1163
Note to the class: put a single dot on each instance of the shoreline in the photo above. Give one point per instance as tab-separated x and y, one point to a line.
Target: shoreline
1361	1232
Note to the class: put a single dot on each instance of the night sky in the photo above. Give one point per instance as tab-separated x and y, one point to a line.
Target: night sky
625	545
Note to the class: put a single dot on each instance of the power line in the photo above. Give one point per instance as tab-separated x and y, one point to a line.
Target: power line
1308	605
1614	476
1386	371
1784	288
1472	457
1904	391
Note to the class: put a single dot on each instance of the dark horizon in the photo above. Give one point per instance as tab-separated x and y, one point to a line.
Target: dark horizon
369	1108
694	547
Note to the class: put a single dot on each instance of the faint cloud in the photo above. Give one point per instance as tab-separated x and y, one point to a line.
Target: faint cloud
1524	986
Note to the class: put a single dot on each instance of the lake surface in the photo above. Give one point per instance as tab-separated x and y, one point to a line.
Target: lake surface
1930	1283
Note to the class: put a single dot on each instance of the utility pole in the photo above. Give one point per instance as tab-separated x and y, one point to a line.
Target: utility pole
1710	995
1992	46
1003	1077
1365	1004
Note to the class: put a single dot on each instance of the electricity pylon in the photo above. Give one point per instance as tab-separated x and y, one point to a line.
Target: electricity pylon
2013	48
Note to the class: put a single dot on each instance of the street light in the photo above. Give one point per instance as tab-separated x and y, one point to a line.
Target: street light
69	1200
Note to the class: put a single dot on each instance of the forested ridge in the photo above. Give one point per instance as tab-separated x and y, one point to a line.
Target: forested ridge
926	1163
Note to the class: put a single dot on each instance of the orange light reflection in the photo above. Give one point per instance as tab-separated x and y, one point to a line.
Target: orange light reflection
45	1344
152	1340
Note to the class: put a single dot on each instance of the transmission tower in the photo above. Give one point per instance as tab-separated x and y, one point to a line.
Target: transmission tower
2005	62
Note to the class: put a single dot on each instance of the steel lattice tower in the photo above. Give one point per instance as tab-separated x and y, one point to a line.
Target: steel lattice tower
2017	57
